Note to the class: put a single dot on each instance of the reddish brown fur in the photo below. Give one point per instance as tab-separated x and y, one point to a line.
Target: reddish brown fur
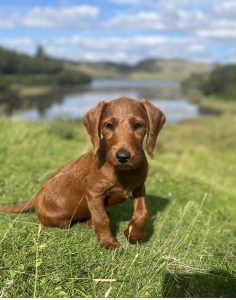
81	189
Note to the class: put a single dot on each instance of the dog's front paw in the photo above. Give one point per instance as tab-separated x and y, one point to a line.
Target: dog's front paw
133	234
110	243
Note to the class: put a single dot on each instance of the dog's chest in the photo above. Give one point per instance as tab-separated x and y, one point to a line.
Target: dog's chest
118	194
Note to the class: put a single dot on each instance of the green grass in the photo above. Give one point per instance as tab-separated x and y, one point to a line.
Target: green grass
189	249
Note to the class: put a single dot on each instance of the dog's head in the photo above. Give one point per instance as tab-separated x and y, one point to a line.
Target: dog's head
121	125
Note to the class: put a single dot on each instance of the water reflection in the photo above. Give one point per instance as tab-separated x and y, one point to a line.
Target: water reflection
73	105
107	83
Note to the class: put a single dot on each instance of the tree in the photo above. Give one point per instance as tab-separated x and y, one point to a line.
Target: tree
40	52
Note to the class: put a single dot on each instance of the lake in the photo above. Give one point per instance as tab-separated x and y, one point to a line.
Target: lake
73	103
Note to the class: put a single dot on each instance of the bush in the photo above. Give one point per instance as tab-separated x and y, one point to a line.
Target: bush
9	100
3	86
221	82
194	82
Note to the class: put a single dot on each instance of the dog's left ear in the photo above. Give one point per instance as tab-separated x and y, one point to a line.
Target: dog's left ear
156	120
91	122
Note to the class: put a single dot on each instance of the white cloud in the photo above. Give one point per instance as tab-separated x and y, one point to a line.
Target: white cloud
164	18
51	17
22	44
6	23
140	20
225	8
212	21
220	34
126	2
120	49
230	56
129	49
173	28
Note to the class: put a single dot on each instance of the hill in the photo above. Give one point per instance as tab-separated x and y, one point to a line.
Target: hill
12	62
32	76
148	69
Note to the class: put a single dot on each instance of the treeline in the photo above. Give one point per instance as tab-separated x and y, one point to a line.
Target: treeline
13	63
220	82
20	72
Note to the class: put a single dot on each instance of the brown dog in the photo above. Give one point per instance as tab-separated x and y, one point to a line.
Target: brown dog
115	170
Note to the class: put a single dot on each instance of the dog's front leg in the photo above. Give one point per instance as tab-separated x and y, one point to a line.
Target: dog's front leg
137	225
101	222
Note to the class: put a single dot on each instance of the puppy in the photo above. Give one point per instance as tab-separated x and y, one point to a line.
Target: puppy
116	169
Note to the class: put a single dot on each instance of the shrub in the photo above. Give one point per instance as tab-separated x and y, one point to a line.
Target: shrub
221	82
9	100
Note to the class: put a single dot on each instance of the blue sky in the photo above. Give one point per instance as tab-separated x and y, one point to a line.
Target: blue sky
122	30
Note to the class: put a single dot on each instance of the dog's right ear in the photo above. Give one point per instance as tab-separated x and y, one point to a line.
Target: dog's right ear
91	122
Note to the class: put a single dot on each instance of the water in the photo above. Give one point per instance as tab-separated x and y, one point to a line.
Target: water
73	105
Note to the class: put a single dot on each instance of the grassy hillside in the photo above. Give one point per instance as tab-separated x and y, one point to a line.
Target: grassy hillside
150	69
189	250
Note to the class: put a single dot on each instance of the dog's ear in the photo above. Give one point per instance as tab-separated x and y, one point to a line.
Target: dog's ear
155	121
91	122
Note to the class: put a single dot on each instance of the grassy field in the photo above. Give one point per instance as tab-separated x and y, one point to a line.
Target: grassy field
189	249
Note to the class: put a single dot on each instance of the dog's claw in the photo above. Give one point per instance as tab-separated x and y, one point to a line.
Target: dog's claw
132	235
110	244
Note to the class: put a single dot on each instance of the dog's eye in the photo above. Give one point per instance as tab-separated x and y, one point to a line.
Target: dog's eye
137	126
110	126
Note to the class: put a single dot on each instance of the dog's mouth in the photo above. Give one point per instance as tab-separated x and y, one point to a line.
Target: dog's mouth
124	167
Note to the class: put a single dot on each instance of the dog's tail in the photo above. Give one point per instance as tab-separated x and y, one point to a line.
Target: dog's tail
21	207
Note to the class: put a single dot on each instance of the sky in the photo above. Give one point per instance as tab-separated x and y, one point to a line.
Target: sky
122	30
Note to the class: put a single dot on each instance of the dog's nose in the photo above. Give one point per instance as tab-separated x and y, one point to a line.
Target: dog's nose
123	156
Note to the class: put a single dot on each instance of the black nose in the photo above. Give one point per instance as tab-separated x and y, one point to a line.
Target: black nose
123	156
